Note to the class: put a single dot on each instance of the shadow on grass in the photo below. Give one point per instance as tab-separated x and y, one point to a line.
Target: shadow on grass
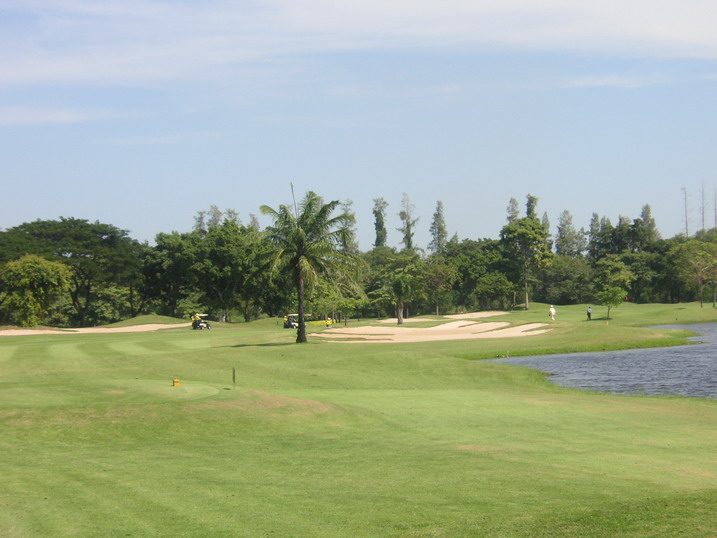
265	344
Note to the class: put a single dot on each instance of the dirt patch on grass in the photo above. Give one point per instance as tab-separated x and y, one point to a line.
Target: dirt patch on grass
148	327
78	418
479	449
259	401
454	330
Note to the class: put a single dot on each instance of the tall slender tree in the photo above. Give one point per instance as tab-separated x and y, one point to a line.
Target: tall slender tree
568	241
594	238
409	223
545	221
348	241
512	210
307	241
645	231
379	221
439	234
531	206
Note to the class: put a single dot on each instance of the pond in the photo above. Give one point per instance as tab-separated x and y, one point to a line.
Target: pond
684	370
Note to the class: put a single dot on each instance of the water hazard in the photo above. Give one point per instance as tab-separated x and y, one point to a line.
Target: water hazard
684	370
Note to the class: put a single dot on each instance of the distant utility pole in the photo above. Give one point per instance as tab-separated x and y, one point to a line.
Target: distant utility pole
702	206
687	231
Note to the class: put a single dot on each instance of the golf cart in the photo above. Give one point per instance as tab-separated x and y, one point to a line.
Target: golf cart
291	321
199	322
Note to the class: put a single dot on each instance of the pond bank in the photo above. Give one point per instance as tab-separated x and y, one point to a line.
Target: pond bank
682	370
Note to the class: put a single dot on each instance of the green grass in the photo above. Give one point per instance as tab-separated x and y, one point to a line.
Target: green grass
330	439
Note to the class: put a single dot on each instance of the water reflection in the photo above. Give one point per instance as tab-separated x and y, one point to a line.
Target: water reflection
685	370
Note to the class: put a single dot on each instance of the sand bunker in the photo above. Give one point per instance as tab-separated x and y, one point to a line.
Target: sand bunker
394	321
468	315
454	330
96	330
477	315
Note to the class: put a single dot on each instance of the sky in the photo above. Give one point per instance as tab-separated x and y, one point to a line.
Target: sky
140	113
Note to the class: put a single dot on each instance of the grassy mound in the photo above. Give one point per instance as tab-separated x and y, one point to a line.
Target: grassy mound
146	319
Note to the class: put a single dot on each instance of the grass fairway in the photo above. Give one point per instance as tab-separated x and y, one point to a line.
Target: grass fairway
330	439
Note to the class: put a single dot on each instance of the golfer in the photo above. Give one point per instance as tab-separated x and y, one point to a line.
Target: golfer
551	312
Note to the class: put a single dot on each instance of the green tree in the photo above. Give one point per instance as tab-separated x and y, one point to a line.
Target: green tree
644	266
545	221
531	206
612	280
526	246
568	241
565	281
405	286
30	285
512	210
473	260
439	234
98	254
696	263
229	259
168	270
438	277
307	243
409	223
379	222
621	237
493	288
594	246
643	231
348	240
611	297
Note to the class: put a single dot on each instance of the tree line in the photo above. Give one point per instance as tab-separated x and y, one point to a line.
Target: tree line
73	272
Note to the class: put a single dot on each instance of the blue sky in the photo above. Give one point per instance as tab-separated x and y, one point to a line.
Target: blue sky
140	113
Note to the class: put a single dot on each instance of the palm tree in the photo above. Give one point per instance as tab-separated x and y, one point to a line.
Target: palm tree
307	241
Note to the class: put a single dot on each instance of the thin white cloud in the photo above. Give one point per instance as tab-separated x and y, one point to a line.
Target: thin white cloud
20	115
136	41
168	139
616	81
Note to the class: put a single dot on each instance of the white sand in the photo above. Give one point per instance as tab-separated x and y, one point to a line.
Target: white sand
455	330
95	330
477	315
394	321
468	315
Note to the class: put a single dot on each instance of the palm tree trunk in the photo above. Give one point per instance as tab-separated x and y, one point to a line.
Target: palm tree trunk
301	331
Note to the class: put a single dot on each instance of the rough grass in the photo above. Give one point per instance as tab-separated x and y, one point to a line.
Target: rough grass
332	439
